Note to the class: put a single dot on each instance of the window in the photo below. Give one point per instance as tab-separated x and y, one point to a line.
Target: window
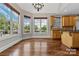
4	19
8	20
15	20
77	22
40	25
26	24
37	25
43	25
57	22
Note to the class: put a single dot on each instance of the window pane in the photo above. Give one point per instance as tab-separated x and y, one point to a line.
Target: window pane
26	24
15	20
37	25
43	25
4	19
57	23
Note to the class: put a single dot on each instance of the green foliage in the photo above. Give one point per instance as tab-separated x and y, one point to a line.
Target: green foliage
36	28
27	28
7	27
15	26
4	24
44	28
2	21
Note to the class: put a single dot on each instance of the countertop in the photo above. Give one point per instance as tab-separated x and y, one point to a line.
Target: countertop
60	29
71	30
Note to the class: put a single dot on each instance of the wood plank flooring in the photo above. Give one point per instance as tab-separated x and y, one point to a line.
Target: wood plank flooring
39	47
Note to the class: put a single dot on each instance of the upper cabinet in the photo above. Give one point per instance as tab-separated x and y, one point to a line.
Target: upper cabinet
68	20
65	21
72	20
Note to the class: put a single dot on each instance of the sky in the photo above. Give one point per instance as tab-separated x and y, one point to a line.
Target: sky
26	21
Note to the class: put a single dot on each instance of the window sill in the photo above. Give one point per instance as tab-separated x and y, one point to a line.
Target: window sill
41	32
7	36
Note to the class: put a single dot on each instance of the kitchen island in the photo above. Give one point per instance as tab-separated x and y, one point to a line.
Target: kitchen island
70	38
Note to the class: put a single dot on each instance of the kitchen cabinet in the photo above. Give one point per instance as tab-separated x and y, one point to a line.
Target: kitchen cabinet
72	20
68	20
70	39
56	34
65	21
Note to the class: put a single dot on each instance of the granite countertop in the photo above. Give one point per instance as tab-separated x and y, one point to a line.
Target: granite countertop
72	30
60	29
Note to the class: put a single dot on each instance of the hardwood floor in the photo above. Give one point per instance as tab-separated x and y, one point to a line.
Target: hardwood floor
39	47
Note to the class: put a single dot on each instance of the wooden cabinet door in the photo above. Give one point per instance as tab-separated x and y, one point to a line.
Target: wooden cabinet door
68	20
56	34
72	20
65	21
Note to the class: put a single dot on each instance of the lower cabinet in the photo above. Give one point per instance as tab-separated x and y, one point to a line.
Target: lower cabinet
56	34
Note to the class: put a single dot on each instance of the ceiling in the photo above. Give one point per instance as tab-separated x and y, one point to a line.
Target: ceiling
53	8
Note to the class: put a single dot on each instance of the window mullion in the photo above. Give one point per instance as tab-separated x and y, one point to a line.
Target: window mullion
40	26
11	23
